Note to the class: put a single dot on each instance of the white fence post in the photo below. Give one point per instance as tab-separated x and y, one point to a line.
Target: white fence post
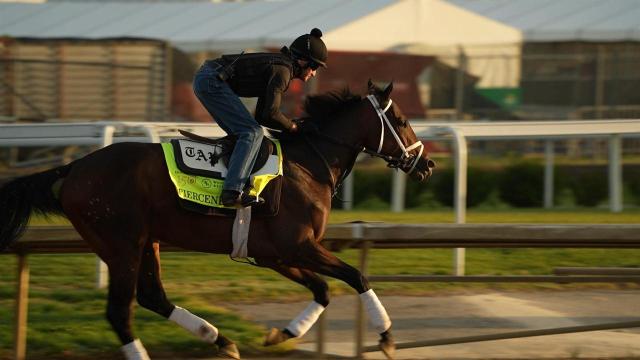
398	190
347	192
460	194
615	173
102	272
548	173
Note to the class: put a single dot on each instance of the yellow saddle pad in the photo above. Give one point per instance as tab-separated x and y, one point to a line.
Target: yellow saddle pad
206	190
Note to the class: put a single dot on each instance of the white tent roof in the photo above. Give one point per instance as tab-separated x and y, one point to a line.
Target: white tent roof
563	20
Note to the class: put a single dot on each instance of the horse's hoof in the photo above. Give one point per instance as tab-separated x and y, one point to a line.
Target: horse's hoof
275	336
386	345
229	351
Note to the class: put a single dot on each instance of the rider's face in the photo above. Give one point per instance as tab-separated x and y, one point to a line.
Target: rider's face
307	72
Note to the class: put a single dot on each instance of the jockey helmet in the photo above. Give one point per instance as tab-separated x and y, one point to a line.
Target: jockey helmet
311	48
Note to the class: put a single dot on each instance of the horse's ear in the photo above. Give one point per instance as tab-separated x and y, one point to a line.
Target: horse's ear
386	94
372	87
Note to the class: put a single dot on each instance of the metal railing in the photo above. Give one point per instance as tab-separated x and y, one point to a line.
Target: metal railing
365	236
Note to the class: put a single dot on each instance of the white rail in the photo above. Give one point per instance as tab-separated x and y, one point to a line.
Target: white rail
549	131
105	132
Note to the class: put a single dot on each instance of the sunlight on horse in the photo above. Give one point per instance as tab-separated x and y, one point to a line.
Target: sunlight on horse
122	203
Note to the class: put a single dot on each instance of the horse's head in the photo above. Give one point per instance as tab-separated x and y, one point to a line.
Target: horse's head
392	137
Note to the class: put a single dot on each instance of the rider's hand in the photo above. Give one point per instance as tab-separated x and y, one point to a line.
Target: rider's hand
294	127
306	126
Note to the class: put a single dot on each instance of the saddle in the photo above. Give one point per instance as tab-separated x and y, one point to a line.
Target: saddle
198	166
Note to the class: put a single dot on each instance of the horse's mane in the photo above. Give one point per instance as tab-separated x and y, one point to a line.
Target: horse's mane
323	108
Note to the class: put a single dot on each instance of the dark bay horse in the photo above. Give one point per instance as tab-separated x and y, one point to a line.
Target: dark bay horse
122	203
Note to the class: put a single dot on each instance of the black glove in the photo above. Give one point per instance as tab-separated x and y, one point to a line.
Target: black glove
305	126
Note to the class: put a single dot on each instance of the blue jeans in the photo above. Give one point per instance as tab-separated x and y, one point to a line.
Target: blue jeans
232	116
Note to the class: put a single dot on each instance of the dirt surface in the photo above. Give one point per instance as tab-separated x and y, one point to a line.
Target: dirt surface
436	317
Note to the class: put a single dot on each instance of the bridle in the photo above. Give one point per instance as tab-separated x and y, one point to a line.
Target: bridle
407	162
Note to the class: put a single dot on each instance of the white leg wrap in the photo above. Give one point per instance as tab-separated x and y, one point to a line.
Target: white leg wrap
197	326
135	351
377	314
301	324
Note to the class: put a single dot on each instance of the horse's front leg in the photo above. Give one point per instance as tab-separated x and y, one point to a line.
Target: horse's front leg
305	320
315	258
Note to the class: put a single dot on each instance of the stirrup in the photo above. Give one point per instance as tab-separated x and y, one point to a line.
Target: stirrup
232	198
250	200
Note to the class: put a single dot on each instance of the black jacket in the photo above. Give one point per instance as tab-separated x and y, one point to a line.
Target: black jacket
265	76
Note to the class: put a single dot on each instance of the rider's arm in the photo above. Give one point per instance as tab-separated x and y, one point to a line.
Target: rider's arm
268	107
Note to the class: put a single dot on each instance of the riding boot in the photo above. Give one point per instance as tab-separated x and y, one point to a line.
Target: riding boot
233	198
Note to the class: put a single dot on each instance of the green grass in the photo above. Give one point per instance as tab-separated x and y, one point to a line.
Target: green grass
66	313
444	215
579	216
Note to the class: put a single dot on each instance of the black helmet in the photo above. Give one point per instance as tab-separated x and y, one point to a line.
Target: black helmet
310	47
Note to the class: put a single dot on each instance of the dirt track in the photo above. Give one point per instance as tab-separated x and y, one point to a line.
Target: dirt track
422	318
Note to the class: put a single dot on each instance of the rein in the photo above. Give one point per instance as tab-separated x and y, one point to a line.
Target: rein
334	184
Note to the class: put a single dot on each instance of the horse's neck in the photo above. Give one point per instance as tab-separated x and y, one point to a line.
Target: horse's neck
339	157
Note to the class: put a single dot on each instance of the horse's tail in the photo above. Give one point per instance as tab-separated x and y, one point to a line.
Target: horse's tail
24	195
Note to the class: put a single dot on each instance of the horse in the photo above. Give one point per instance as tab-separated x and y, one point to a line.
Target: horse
122	203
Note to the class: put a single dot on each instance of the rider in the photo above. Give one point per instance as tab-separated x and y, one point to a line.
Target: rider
219	83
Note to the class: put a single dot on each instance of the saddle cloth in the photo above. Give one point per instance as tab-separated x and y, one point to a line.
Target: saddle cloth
197	156
198	170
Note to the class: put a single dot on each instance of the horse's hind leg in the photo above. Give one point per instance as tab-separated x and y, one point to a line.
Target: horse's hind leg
122	282
151	295
303	322
121	253
314	257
